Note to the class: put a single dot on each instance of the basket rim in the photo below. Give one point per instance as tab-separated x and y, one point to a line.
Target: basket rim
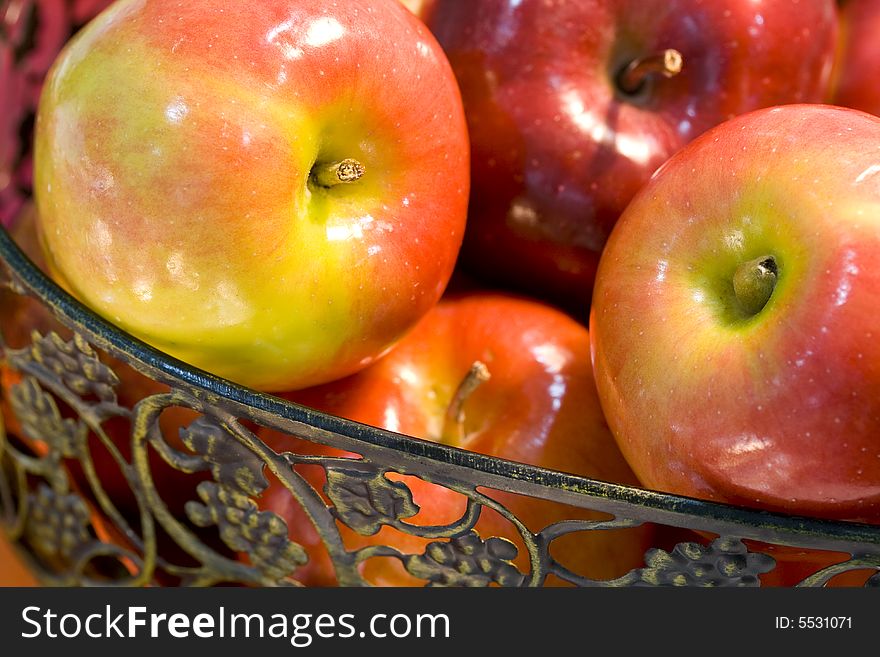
517	477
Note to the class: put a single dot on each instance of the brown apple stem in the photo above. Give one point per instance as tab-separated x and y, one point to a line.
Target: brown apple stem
453	424
330	174
632	78
754	282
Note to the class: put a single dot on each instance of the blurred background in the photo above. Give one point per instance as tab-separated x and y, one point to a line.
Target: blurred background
27	48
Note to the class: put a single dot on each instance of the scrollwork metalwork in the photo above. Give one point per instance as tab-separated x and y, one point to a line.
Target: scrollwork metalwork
243	527
367	500
39	416
467	561
57	523
726	562
66	396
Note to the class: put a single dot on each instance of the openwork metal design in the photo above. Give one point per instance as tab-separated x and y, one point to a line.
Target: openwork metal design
171	488
120	465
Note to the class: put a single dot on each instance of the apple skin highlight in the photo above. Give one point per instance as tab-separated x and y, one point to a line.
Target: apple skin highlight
174	147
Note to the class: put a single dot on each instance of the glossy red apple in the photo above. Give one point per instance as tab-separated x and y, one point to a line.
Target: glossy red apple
858	83
735	318
538	406
272	191
570	111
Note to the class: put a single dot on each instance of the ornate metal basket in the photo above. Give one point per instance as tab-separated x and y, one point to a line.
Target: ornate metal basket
97	487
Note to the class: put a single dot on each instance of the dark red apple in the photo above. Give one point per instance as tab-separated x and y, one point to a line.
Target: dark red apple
570	112
858	83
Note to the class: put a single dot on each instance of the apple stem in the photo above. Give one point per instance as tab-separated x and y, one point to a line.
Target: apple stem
754	282
453	425
632	78
330	174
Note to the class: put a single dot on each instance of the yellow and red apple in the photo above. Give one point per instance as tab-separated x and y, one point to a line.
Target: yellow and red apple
274	191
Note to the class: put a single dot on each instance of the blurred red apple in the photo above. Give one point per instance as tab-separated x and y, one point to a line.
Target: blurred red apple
858	83
570	110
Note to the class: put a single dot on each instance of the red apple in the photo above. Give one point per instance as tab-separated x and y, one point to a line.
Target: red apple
570	113
272	191
538	406
858	83
735	318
